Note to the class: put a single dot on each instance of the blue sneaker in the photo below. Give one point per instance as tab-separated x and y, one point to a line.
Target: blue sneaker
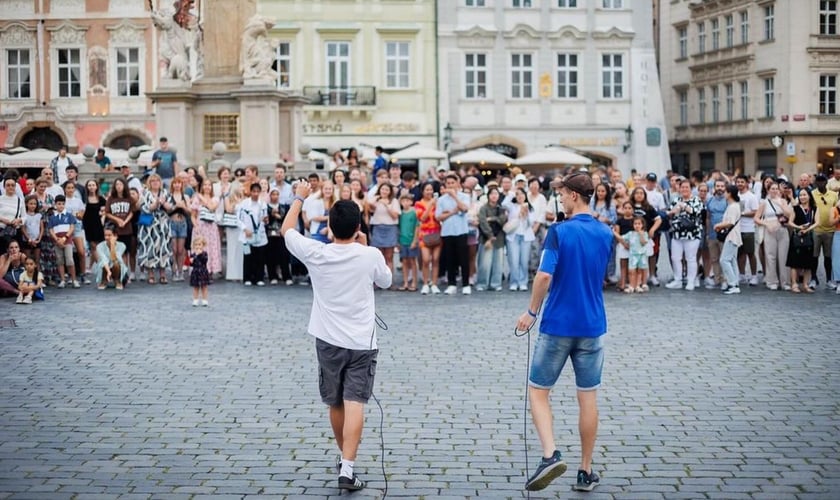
586	482
547	471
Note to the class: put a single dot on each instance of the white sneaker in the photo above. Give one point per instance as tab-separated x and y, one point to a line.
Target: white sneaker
467	290
732	291
837	291
61	284
260	283
425	290
812	284
786	288
523	288
697	282
690	286
435	290
195	302
654	281
450	290
84	280
19	299
674	285
248	283
709	283
273	282
204	303
832	285
480	288
76	284
754	280
27	299
513	288
773	287
289	282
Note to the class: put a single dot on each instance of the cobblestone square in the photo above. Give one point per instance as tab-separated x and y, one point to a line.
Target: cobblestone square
139	395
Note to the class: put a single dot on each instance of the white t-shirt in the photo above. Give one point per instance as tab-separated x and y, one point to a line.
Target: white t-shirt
749	203
343	309
33	225
313	207
55	190
655	199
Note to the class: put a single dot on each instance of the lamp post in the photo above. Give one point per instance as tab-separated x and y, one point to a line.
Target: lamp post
447	136
628	138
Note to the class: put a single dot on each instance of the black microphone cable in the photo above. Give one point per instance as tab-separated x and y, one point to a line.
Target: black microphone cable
518	333
380	323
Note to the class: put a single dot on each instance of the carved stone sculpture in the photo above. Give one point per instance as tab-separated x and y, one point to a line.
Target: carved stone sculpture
174	45
257	54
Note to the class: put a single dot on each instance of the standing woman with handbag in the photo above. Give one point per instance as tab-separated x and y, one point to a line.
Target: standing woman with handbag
12	210
119	212
686	231
92	218
179	226
491	249
154	252
801	251
773	215
233	250
430	239
204	206
728	231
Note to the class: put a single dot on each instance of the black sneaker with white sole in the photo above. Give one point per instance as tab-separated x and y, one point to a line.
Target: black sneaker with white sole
586	482
350	483
547	471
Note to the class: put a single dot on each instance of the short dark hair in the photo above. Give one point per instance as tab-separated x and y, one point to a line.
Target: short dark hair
344	219
254	185
743	177
71	167
100	150
163	139
453	176
60	199
409	176
378	149
314	176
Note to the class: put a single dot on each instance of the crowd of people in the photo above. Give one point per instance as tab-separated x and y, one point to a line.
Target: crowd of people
447	229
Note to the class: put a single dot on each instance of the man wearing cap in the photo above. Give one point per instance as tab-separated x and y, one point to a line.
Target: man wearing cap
571	273
165	162
130	179
826	200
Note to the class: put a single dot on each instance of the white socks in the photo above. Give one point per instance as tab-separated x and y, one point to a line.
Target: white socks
346	467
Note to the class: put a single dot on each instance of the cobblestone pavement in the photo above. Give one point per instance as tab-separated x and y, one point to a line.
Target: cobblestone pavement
138	395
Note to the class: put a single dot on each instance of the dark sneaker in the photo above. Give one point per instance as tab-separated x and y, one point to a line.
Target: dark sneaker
547	471
586	482
352	484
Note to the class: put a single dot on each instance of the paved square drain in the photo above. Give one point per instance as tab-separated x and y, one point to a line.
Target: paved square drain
7	323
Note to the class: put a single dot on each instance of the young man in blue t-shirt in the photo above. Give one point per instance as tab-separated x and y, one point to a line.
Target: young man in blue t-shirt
572	269
165	162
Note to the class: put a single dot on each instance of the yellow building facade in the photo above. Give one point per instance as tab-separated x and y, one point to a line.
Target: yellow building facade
367	69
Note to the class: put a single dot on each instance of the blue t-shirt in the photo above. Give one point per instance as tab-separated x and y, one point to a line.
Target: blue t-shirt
575	255
166	167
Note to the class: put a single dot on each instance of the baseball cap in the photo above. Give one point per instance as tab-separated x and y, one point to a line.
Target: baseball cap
520	177
820	177
651	176
441	168
579	182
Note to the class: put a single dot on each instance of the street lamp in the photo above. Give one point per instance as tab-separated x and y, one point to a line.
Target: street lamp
628	138
447	136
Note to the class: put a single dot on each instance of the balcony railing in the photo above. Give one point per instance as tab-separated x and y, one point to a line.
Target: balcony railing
341	96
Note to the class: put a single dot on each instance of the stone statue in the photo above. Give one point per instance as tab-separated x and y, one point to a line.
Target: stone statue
257	56
174	45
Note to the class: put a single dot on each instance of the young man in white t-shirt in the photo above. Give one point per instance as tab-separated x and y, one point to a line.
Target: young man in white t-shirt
345	329
746	252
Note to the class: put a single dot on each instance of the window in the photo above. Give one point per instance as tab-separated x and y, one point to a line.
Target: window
128	72
567	76
221	127
397	65
567	4
476	76
730	30
701	37
745	100
69	73
682	36
283	64
715	104
828	17
745	27
769	95
521	76
701	105
682	95
828	94
715	34
475	3
521	3
612	4
769	22
612	76
338	64
730	102
17	74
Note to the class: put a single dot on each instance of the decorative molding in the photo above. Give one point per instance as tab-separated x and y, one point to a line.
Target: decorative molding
523	31
476	37
568	31
67	34
17	34
126	33
613	32
98	76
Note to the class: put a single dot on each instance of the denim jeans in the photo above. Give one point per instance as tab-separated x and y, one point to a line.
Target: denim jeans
490	264
729	263
519	251
835	256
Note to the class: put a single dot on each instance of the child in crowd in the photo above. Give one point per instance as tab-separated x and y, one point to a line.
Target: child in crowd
62	226
200	276
33	228
636	243
31	283
623	226
409	239
110	267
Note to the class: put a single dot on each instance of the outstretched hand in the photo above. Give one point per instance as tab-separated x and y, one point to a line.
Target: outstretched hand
302	189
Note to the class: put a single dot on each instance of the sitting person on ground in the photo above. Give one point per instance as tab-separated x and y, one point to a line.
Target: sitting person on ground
110	268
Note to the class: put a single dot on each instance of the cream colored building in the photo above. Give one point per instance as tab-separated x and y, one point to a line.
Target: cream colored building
367	69
737	73
518	75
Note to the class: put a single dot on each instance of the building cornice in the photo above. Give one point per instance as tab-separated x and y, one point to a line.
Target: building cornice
568	30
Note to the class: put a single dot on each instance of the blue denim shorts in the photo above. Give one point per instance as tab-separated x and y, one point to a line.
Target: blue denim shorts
406	252
551	352
178	228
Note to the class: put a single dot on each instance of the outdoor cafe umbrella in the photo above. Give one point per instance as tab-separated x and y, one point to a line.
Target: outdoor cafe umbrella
418	153
482	156
552	158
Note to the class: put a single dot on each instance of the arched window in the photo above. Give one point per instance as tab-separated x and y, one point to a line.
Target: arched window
42	137
125	141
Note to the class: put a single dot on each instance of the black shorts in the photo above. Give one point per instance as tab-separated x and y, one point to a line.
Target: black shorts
126	240
344	374
748	244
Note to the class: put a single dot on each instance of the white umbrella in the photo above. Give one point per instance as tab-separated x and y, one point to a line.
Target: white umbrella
553	157
482	156
18	149
37	158
418	153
